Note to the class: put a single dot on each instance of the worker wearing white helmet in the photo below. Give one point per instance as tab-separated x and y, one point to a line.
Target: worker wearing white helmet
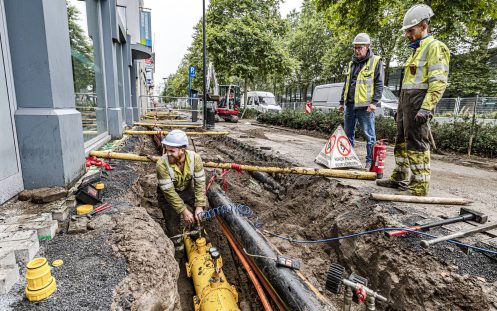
181	179
424	82
361	93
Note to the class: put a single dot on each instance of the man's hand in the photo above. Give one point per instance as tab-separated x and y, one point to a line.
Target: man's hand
371	108
422	116
188	217
198	210
341	108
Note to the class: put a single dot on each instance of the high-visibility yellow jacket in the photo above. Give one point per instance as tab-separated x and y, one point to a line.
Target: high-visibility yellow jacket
171	179
364	88
428	69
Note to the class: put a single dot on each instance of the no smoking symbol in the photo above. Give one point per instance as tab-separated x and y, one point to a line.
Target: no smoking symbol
330	144
344	147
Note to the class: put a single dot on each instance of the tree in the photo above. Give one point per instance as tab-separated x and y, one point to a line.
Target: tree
465	26
81	53
309	40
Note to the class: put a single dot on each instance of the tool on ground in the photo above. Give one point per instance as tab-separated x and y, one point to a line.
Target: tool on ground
40	282
276	170
88	191
281	261
356	288
459	234
465	214
379	156
84	209
99	209
416	199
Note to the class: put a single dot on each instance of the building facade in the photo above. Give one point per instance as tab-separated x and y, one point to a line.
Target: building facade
45	133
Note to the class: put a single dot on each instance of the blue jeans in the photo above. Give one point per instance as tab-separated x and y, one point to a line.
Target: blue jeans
366	120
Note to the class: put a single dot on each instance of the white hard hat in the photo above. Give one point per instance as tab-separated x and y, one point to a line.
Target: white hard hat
362	38
416	14
175	138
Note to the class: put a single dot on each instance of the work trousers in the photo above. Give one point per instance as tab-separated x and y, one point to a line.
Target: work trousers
173	220
366	121
412	144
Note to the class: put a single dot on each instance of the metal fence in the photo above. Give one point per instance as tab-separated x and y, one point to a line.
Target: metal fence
292	106
483	108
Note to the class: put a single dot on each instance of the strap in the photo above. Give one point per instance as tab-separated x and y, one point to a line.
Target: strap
191	154
169	168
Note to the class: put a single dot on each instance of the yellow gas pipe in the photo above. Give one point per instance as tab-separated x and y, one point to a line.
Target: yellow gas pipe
166	132
277	170
205	268
185	126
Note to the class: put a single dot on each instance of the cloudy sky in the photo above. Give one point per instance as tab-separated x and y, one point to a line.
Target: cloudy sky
172	24
172	27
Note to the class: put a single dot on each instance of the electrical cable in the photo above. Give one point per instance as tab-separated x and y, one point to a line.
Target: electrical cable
375	231
246	211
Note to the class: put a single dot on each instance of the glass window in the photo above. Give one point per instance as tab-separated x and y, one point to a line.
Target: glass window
84	71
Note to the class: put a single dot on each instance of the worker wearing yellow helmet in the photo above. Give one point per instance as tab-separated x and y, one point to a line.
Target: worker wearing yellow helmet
181	182
425	79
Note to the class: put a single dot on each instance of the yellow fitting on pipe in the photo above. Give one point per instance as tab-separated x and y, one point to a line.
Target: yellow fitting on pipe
211	293
185	126
325	172
166	132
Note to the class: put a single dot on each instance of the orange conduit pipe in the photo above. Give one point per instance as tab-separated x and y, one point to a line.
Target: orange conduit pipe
250	272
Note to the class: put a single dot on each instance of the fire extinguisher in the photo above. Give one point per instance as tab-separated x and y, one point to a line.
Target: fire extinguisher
379	156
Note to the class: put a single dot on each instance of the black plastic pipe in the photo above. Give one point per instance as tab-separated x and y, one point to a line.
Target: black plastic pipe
291	287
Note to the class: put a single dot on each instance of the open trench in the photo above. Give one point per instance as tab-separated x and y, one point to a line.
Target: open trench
310	208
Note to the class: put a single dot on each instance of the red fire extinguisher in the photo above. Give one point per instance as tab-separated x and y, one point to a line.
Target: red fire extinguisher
379	156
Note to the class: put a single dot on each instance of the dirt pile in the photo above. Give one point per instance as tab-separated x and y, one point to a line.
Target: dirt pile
316	208
150	283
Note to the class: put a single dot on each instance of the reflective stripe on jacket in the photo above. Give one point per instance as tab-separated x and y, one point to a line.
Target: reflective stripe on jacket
364	88
171	179
428	69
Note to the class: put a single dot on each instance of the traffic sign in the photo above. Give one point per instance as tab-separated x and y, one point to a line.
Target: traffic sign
338	152
192	71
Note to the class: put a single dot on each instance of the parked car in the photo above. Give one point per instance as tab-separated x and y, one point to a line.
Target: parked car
262	101
327	97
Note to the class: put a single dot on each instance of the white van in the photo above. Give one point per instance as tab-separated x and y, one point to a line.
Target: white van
262	102
327	97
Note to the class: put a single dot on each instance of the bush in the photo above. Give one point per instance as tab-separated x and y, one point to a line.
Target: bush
250	113
448	136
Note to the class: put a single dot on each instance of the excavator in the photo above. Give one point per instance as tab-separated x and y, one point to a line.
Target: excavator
226	97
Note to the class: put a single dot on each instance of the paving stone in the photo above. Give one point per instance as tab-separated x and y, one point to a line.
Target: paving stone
7	259
27	195
49	195
10	220
8	277
78	226
61	213
30	235
46	229
24	250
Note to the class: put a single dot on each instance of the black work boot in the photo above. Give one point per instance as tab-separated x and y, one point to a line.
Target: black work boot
388	183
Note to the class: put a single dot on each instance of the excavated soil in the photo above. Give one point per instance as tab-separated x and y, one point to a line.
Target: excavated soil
310	208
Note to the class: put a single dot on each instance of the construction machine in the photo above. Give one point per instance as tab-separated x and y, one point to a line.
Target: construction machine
226	97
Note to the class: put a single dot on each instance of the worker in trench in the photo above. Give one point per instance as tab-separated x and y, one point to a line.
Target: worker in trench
425	79
181	183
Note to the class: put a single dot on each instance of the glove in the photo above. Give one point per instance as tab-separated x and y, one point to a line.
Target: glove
422	116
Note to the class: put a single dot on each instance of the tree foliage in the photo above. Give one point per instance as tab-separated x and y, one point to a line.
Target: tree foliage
81	53
249	42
